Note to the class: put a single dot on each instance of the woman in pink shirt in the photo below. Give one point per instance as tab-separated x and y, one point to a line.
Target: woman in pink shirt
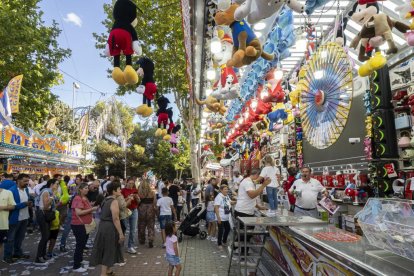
81	215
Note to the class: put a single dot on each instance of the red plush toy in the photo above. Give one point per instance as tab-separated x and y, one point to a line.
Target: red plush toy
123	40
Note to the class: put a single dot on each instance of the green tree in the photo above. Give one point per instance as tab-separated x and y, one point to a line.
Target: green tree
160	33
60	123
182	160
30	48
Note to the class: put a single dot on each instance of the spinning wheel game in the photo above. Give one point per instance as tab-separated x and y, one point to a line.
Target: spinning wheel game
326	95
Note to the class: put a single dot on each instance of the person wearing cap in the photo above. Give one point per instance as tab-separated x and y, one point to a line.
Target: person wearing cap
306	190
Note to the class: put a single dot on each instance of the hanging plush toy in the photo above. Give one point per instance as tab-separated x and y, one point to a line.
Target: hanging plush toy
123	40
247	47
171	125
148	88
162	114
173	139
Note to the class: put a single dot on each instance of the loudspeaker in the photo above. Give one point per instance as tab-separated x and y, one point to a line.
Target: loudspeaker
385	140
381	95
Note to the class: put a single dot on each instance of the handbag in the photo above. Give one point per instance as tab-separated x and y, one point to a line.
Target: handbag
89	227
402	121
50	215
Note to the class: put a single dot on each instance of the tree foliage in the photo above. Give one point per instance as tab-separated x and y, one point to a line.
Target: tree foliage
64	126
30	48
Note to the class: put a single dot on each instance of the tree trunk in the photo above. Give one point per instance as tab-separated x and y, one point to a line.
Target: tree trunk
188	115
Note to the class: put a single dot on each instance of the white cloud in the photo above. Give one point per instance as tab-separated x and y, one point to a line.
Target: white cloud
73	18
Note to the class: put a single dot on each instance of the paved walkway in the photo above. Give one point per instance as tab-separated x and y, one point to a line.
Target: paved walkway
200	258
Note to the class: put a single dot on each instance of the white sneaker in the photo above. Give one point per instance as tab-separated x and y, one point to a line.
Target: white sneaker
121	264
208	238
131	250
85	262
80	270
213	239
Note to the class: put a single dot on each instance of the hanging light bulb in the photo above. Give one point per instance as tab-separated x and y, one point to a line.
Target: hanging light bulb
265	93
209	91
278	74
215	45
246	115
240	121
254	104
211	74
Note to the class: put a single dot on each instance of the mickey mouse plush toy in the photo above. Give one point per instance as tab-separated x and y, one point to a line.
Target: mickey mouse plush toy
162	114
173	140
123	40
148	87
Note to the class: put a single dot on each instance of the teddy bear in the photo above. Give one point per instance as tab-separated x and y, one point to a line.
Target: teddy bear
247	47
213	105
162	115
123	40
265	9
174	139
148	88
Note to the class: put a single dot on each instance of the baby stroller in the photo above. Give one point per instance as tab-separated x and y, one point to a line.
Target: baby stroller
191	224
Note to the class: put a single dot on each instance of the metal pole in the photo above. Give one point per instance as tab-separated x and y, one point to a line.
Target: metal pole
125	169
73	102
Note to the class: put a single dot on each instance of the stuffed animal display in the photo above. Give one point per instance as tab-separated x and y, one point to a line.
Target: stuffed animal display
213	105
123	40
247	47
148	88
264	9
162	115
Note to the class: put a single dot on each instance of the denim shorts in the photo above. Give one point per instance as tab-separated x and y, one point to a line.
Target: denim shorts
210	216
164	219
172	259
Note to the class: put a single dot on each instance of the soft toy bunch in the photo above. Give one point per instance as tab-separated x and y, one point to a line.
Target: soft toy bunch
227	87
408	10
247	47
123	40
148	88
163	114
376	30
213	105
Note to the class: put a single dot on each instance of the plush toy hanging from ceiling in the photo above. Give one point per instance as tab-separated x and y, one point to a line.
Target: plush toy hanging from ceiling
123	40
171	125
213	105
148	88
174	139
162	114
247	47
376	29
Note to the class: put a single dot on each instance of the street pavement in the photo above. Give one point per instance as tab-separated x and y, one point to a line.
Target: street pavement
199	257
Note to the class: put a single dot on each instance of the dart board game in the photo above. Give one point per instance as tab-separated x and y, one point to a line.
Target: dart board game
326	95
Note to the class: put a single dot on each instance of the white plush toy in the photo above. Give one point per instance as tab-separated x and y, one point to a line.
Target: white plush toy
264	9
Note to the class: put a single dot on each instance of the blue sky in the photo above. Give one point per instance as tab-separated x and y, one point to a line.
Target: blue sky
78	19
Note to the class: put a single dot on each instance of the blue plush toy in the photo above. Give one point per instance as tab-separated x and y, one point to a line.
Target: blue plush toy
312	5
275	116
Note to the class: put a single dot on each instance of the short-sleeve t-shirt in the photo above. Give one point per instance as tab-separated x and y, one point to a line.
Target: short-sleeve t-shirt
271	172
195	190
126	192
6	198
245	204
165	205
309	193
169	244
224	206
83	204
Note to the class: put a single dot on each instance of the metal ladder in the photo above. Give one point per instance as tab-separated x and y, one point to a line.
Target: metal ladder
254	257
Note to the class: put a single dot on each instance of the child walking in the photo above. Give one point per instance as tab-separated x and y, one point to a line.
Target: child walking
211	220
172	254
166	209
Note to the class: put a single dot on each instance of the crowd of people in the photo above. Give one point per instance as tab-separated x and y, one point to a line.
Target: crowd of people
112	208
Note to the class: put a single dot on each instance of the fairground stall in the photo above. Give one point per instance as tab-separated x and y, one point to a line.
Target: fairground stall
324	84
38	155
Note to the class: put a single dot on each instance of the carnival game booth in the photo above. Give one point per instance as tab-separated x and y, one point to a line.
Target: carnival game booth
329	85
34	154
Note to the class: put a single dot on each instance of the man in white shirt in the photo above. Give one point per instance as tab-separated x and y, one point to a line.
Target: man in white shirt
160	185
306	191
195	194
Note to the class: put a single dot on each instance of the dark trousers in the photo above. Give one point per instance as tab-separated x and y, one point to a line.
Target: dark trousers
81	238
123	225
223	232
194	202
179	209
44	228
239	214
15	237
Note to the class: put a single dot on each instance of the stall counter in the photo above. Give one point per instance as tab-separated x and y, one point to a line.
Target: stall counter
327	250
